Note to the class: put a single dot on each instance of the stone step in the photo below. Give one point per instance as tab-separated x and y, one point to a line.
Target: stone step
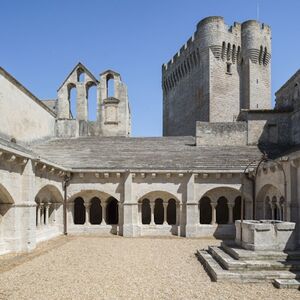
287	283
217	273
229	263
242	254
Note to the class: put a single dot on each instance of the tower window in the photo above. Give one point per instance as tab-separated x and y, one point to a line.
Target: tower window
228	68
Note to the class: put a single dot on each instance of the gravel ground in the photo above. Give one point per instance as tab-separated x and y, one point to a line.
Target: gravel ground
120	268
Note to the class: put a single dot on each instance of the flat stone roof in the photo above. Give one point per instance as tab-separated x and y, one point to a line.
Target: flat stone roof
150	153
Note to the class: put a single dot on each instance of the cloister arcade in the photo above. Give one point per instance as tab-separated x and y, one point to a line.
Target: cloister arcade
49	206
220	206
96	211
6	203
270	204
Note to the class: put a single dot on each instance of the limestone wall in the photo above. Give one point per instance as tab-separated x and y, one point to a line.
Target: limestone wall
221	134
219	71
23	116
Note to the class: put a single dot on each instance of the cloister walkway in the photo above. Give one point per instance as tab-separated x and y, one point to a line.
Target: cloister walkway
91	267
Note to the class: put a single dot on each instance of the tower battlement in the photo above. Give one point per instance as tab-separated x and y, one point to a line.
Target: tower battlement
219	67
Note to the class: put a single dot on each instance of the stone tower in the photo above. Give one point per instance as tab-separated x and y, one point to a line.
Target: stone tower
113	113
218	72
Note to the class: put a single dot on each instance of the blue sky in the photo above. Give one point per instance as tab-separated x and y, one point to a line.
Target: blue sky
41	41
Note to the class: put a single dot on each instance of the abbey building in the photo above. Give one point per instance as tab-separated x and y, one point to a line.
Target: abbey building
225	153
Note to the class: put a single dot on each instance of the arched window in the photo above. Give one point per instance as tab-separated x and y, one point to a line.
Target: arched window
91	94
158	211
112	211
146	212
171	212
275	214
95	211
80	75
72	96
205	211
110	85
222	211
79	211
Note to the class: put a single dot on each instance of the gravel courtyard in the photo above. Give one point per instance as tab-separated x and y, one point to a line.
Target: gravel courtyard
120	268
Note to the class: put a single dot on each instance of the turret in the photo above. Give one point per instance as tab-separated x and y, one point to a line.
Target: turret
256	74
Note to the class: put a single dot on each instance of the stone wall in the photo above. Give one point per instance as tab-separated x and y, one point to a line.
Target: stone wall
219	71
221	134
23	116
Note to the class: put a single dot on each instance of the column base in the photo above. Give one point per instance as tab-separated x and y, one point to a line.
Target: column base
191	230
131	230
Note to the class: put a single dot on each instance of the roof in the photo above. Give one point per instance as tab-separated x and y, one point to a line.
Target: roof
17	84
159	153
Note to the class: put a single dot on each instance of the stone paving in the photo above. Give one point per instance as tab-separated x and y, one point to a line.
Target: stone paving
94	267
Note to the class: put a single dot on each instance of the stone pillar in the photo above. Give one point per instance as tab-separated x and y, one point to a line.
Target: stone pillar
70	213
129	227
192	211
47	205
213	205
82	111
140	221
152	204
55	207
178	213
38	215
42	215
87	206
230	212
103	205
165	204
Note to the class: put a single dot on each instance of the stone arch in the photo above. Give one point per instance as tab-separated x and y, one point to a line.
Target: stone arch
79	211
159	211
72	100
268	202
222	211
205	210
171	212
95	211
6	202
48	199
237	208
222	200
112	211
162	205
146	211
91	95
80	75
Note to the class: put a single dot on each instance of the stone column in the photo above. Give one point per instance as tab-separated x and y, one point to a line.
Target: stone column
47	205
230	212
103	205
213	205
42	215
87	206
140	221
152	204
129	223
38	213
70	213
178	213
192	211
165	204
55	207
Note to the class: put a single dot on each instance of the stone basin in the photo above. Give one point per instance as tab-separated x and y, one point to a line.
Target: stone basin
266	235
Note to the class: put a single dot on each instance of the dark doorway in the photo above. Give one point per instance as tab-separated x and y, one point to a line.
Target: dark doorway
95	211
79	211
112	211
